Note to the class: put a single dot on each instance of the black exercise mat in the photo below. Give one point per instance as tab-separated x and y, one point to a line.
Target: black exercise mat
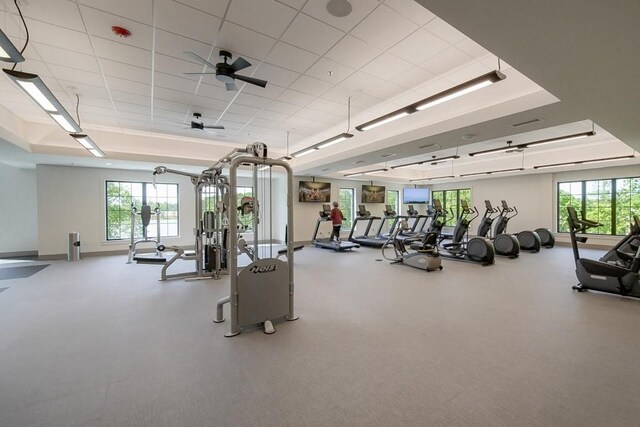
21	272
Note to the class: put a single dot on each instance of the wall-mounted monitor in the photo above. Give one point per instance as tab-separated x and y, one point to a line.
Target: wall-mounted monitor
372	194
309	191
415	196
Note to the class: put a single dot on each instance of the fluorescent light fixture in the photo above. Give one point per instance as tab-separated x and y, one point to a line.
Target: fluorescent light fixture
391	117
366	172
334	140
561	139
88	143
492	172
40	93
534	143
585	162
8	51
439	159
432	178
460	90
304	152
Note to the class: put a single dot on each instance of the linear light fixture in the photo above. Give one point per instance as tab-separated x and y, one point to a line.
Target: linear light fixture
88	143
8	51
440	159
534	143
334	140
40	93
432	178
439	98
585	162
265	167
304	152
492	172
366	172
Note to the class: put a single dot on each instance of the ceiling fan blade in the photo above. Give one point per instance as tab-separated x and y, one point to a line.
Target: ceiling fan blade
257	82
213	127
240	64
197	74
231	86
199	59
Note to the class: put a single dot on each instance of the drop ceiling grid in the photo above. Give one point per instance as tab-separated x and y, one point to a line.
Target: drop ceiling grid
307	83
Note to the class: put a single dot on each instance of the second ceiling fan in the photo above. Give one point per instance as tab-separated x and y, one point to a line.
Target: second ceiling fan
225	72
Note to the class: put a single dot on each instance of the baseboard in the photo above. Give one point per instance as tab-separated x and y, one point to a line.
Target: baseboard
18	254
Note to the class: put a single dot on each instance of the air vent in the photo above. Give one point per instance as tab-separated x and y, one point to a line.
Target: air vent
358	162
528	122
430	145
325	169
384	156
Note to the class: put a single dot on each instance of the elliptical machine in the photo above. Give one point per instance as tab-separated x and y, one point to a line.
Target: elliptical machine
599	275
426	257
529	240
475	249
504	244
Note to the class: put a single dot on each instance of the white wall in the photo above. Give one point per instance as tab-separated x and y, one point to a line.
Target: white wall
18	210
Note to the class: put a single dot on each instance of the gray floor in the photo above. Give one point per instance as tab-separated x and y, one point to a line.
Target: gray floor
99	342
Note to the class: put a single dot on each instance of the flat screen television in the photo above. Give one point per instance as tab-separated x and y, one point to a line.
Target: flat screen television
415	196
373	194
311	191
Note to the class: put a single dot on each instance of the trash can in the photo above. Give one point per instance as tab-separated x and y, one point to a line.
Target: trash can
74	247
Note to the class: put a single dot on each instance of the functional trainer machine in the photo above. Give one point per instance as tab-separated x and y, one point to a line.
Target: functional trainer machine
504	244
475	249
261	294
599	275
529	240
338	246
145	213
426	257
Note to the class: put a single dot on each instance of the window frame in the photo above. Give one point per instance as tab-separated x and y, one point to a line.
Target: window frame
443	201
144	184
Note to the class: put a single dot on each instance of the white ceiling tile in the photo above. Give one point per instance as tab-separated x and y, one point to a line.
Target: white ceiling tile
57	36
446	61
264	16
311	86
124	107
360	9
434	87
468	72
384	27
272	116
130	98
211	88
414	77
386	91
327	106
320	70
272	91
244	110
360	81
386	66
252	100
139	10
230	117
296	4
128	86
308	113
472	48
186	21
213	7
235	38
174	45
172	95
99	24
175	83
295	97
365	101
411	10
290	57
311	34
276	75
283	107
92	101
58	56
61	13
72	74
419	46
295	121
125	71
36	67
445	31
176	66
353	52
122	53
165	117
339	93
89	94
202	102
162	104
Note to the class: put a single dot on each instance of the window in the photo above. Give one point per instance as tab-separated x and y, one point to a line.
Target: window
393	199
347	206
246	220
611	202
121	196
450	200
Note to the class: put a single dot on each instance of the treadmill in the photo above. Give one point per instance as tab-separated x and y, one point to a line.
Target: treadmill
414	231
388	214
364	239
327	243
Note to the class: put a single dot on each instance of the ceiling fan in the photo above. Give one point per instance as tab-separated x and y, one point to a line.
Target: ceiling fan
197	123
226	73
